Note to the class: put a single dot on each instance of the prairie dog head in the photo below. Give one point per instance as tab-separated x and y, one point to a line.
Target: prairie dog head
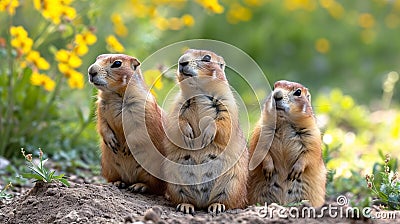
201	63
292	99
112	72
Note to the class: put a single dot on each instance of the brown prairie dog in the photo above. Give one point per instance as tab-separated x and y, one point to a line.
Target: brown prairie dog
204	139
123	95
293	169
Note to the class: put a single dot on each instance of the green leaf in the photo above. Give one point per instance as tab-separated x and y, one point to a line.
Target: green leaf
37	171
59	176
50	176
64	181
32	176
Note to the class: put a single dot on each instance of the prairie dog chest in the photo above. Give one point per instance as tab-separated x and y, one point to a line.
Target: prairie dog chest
110	118
200	110
287	145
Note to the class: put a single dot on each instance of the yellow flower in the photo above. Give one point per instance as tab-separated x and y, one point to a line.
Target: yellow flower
39	62
50	9
69	12
81	49
238	13
64	69
55	10
322	45
140	10
187	20
42	80
121	30
76	81
82	41
9	6
20	39
86	37
175	23
114	44
25	45
292	5
67	71
366	20
334	8
161	23
119	26
254	2
69	58
211	5
18	32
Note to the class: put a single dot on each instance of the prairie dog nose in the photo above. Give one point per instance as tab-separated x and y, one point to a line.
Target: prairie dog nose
278	95
93	70
182	65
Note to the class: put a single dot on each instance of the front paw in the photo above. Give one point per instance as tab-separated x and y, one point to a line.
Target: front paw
188	135
216	208
111	142
268	167
296	171
119	184
185	208
138	188
268	171
208	134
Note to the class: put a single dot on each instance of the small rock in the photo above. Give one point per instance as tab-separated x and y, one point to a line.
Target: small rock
153	214
128	219
3	163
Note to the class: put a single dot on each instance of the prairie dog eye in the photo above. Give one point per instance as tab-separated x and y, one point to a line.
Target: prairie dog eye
297	92
116	64
206	58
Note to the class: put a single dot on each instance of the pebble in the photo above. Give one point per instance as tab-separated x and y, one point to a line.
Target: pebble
3	163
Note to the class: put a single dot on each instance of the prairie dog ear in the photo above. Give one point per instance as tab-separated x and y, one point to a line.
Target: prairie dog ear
308	96
134	63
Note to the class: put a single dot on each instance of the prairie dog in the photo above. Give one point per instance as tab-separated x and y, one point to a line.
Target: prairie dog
293	169
122	91
204	138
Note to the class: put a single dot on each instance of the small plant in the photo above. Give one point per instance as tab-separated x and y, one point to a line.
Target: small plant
389	190
4	194
39	172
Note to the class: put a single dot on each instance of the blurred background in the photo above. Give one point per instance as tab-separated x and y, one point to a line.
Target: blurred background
345	52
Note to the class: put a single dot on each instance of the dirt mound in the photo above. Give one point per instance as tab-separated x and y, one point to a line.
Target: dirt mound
104	203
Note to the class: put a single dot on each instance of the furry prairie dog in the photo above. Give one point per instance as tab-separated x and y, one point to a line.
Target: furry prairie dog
122	91
293	169
204	139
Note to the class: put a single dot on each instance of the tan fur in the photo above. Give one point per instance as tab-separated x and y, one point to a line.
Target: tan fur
193	139
293	169
142	116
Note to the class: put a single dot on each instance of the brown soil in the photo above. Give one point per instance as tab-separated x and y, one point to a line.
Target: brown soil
105	203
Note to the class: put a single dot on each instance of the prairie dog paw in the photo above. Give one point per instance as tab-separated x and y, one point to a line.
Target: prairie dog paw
138	188
111	141
297	170
268	167
188	135
216	208
185	208
119	184
268	171
208	134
